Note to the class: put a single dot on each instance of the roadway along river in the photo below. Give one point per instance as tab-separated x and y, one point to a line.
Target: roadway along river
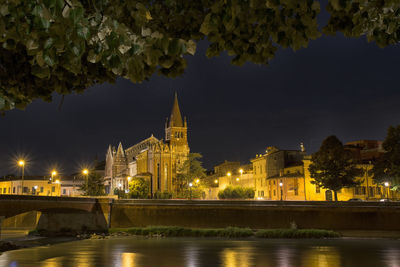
132	251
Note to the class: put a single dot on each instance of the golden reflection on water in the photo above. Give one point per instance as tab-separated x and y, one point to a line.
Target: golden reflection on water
237	257
321	256
129	259
53	262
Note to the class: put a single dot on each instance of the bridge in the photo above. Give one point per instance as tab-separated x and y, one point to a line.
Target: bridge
98	214
60	213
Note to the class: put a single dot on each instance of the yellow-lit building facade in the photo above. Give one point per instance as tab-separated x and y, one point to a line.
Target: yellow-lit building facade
30	187
284	175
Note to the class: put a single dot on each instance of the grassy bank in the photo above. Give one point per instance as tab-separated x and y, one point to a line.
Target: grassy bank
231	232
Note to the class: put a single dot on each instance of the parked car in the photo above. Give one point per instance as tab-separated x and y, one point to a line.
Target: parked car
355	200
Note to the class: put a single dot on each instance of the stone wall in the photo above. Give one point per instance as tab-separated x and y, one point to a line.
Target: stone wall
322	215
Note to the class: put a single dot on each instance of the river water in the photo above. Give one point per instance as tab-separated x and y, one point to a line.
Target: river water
190	252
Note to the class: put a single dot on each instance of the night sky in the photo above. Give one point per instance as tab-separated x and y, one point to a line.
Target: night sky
340	86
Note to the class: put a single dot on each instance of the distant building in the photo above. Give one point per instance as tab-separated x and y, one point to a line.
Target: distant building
270	165
70	186
154	159
365	151
31	185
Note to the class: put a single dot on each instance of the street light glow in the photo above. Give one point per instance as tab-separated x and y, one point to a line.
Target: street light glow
53	173
237	179
241	171
280	184
190	184
229	174
129	178
216	181
85	171
197	181
386	184
21	162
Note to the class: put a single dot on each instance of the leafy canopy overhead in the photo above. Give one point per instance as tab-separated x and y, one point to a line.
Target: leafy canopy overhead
66	46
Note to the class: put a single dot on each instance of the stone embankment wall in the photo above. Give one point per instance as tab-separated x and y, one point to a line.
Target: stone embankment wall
257	214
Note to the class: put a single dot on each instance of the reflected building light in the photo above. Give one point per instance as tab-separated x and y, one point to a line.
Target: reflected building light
129	259
285	256
191	255
322	256
391	257
53	262
237	257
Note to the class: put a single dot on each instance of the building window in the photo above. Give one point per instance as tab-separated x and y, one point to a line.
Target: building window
378	190
274	192
41	189
26	190
4	190
53	189
14	190
363	190
317	189
262	193
371	191
64	191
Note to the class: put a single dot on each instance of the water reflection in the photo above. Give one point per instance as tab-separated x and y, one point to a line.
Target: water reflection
391	257
185	252
321	256
238	256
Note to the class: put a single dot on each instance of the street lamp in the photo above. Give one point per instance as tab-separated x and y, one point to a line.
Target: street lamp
386	184
21	163
86	173
197	180
241	172
190	190
237	179
129	178
228	174
280	185
216	181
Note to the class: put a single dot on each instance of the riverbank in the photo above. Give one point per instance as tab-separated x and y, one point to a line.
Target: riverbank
229	232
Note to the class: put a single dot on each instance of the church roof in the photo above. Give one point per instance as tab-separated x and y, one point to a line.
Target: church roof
175	119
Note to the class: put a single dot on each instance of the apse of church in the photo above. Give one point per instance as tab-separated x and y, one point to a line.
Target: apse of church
154	159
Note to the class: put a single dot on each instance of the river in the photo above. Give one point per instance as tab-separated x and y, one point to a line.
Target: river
191	252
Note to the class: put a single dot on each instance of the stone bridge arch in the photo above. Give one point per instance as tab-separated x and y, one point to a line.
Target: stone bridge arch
60	213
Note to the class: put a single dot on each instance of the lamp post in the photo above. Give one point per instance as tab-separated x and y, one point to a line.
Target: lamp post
190	190
229	177
280	185
53	173
21	163
86	173
387	190
129	178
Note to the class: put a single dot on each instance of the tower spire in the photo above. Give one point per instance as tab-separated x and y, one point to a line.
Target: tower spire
176	117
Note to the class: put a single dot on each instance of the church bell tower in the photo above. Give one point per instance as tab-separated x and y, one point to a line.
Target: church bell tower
176	128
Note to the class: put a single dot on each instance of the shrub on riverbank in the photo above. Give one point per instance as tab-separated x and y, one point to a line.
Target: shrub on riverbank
236	192
175	231
230	232
296	233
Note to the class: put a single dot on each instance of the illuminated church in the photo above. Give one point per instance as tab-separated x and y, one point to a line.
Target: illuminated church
154	159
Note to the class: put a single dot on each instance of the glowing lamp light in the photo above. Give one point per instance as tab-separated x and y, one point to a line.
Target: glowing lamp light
197	181
237	179
216	181
386	184
241	171
190	184
229	174
280	184
21	162
85	171
36	187
119	185
53	173
57	181
129	178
